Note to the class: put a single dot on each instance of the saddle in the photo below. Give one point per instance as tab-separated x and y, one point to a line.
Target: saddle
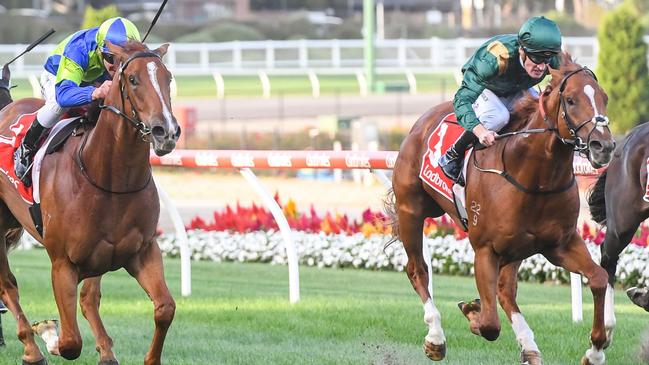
55	140
447	132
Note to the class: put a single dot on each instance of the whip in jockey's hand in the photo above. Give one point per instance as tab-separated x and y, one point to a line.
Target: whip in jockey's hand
495	76
79	62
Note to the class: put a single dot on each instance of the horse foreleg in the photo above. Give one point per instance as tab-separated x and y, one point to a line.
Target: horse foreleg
9	293
89	299
620	230
411	224
64	282
576	258
507	289
147	269
486	277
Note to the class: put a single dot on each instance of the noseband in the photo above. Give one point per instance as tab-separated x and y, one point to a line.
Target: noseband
576	142
135	120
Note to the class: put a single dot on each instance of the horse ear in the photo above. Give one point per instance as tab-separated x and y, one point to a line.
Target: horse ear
162	50
548	89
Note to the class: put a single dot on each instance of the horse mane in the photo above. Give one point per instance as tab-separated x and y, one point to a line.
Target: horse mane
132	46
526	108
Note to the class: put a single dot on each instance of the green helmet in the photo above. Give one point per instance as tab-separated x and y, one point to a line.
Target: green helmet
540	35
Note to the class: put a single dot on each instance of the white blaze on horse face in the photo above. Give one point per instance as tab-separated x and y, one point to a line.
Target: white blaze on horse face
590	92
152	68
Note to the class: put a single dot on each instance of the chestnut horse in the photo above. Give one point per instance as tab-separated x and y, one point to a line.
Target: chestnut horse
524	201
619	201
100	206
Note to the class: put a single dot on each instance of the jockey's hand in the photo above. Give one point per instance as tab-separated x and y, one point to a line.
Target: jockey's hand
102	90
485	136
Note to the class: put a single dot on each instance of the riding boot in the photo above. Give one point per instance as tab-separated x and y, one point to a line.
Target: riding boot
24	154
451	162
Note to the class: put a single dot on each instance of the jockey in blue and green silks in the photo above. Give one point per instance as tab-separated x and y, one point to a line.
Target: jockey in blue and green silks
78	71
498	74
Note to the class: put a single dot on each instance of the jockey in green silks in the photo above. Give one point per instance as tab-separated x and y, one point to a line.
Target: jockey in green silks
498	74
78	71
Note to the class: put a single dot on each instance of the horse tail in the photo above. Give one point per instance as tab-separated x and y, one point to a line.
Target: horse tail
12	237
390	209
597	200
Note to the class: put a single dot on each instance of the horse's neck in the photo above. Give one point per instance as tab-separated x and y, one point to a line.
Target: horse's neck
115	154
546	160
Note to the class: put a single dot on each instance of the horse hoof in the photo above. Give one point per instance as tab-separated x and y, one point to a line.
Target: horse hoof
42	361
531	358
108	362
466	308
435	352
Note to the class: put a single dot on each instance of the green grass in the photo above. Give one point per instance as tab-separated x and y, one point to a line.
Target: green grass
239	314
250	86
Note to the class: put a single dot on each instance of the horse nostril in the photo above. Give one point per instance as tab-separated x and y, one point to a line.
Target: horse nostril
158	131
595	145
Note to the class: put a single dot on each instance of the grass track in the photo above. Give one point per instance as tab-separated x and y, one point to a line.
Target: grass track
239	314
250	86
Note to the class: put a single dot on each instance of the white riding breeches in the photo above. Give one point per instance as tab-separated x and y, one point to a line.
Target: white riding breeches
50	113
493	111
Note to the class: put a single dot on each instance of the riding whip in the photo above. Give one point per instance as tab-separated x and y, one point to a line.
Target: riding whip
34	44
155	19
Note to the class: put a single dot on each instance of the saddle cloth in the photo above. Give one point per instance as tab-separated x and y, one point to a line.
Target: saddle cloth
443	137
8	144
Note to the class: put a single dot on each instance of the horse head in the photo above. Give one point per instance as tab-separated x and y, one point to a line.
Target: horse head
578	105
144	89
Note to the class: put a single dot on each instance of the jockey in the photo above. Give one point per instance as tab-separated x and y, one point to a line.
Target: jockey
78	71
495	76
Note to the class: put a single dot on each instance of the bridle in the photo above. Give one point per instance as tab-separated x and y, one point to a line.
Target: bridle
576	142
135	120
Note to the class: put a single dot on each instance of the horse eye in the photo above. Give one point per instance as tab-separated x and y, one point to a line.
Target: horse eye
570	101
132	80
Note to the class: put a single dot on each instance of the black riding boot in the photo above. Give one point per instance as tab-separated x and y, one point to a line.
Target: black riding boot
24	155
451	162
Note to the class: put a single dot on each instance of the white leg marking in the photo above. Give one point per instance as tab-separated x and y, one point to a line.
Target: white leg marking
523	332
609	312
590	92
433	319
595	356
152	68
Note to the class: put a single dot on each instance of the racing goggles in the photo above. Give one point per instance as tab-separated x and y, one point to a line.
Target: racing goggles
540	57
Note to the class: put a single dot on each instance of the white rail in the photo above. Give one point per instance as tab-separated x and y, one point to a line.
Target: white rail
330	56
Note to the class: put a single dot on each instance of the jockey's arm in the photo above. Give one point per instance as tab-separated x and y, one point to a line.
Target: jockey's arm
474	80
68	89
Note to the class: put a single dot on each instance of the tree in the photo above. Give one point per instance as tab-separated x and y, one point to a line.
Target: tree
95	16
622	68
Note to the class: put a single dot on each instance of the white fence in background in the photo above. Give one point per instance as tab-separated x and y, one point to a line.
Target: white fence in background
332	56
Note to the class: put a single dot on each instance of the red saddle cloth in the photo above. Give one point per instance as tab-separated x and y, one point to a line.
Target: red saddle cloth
442	138
8	144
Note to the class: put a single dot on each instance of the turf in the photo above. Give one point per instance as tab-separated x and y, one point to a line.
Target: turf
250	86
239	314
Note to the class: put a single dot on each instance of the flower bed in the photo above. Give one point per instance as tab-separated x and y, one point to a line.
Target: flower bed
250	234
449	255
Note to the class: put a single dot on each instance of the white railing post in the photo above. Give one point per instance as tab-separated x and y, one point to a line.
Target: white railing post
285	229
576	295
220	84
270	55
183	242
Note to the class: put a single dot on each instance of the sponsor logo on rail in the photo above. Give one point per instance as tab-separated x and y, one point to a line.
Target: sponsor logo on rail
279	160
318	160
242	160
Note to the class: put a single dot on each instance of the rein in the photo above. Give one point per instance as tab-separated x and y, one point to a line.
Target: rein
576	142
142	128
